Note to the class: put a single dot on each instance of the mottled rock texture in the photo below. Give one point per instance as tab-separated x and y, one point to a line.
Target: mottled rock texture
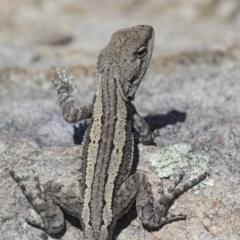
191	95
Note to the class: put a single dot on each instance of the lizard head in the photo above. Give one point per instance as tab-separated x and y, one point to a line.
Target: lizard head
126	57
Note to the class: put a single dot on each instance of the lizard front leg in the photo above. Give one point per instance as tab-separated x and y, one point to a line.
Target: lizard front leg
65	89
48	204
141	127
152	213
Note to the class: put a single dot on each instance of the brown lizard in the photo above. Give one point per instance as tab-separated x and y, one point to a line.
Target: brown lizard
107	189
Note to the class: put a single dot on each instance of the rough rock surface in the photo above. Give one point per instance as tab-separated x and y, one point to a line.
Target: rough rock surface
190	95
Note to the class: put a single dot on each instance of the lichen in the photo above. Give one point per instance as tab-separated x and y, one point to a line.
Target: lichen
181	156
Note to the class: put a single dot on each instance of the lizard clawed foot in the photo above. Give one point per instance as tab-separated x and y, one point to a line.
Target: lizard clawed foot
66	83
51	218
166	199
173	192
35	199
155	134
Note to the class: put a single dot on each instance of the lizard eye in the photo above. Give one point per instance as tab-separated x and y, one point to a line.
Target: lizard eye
141	52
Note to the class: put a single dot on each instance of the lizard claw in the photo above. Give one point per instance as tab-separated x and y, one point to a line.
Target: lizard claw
58	73
155	133
55	82
64	74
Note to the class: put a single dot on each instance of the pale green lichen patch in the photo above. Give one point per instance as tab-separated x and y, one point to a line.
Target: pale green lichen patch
181	156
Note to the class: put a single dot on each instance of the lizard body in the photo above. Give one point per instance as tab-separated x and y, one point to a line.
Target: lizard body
107	188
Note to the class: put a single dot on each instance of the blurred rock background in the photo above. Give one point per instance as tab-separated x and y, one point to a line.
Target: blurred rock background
190	95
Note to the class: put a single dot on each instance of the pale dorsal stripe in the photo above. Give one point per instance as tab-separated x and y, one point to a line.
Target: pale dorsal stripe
95	134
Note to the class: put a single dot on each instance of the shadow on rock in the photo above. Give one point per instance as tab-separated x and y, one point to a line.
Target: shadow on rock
79	132
154	121
160	120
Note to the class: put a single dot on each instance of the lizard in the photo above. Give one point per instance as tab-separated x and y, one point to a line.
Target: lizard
108	189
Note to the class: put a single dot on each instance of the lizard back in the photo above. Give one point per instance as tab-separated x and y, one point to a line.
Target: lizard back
108	154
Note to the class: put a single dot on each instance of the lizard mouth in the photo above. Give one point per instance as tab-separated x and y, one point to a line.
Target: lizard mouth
133	79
